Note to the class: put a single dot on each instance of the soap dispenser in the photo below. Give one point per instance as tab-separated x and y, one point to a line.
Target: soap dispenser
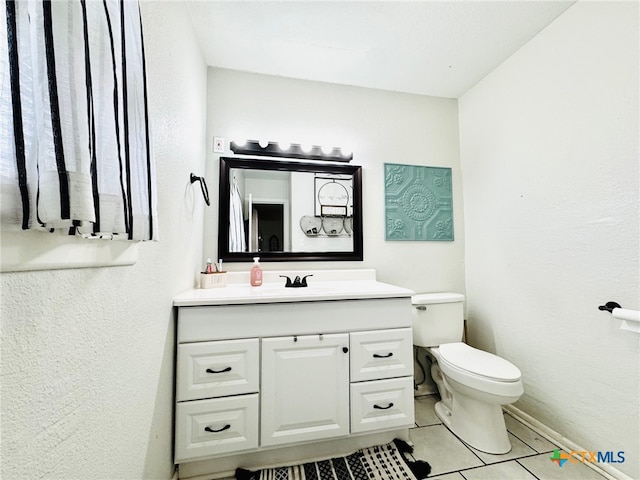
256	273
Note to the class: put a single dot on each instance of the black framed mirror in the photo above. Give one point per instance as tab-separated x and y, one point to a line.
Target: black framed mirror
289	211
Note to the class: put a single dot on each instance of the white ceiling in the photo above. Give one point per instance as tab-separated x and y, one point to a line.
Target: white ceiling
439	48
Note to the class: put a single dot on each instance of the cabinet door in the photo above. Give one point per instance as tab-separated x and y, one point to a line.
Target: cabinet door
381	354
305	388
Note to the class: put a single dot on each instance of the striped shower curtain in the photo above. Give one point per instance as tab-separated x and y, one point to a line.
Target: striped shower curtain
75	153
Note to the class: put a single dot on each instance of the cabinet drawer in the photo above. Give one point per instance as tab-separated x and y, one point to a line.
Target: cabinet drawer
216	426
381	354
382	404
215	369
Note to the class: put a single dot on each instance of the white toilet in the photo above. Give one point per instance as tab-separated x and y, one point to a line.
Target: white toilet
472	384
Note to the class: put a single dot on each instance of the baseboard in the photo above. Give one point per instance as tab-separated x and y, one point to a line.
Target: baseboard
564	443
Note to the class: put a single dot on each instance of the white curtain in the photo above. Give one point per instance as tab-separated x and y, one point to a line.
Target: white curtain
75	152
236	222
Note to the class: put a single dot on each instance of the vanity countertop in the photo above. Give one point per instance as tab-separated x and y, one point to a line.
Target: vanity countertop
323	285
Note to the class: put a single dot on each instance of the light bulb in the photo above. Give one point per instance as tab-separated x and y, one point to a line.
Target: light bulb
284	146
263	143
327	150
240	143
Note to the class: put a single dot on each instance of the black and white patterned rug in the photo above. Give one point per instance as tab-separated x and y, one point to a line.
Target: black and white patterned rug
393	461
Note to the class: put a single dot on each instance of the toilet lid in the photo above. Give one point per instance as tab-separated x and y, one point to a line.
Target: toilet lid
477	362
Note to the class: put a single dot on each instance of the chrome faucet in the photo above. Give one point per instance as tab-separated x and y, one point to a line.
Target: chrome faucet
297	282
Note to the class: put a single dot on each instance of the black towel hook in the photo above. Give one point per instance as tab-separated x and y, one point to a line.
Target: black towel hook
203	187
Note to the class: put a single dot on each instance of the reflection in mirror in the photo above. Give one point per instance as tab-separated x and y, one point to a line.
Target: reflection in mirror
289	210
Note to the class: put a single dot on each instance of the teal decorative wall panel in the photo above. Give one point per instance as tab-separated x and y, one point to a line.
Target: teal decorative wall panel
418	203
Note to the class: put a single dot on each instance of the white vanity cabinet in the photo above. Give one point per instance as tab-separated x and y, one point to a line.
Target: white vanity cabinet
263	375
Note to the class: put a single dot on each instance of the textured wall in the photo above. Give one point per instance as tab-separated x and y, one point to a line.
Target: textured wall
87	354
379	127
549	154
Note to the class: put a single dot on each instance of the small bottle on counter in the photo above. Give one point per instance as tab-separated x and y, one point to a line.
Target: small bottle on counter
256	273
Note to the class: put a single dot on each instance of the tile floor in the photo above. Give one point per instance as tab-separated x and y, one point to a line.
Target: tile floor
452	459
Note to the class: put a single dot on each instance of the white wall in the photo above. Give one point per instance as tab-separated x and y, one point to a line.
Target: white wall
87	354
549	154
379	126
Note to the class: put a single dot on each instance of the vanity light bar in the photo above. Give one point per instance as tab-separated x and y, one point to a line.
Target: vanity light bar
292	150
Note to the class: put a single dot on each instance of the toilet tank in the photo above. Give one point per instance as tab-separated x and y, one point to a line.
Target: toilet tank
437	318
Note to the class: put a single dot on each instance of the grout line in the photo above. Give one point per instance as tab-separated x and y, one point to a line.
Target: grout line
534	475
529	422
538	428
564	443
461	472
472	451
534	453
534	431
537	452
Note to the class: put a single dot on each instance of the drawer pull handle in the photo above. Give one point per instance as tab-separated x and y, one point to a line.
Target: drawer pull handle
377	355
384	408
209	429
224	370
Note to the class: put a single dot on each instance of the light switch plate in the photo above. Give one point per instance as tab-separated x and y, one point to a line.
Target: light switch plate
218	145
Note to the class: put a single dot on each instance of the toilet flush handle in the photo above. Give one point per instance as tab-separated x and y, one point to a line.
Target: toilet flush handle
421	307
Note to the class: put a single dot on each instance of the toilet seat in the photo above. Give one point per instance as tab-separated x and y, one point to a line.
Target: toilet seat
479	363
